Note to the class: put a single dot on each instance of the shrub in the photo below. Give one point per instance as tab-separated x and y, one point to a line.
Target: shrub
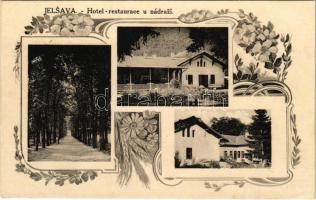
177	160
175	83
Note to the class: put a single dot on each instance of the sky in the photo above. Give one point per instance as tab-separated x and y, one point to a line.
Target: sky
208	114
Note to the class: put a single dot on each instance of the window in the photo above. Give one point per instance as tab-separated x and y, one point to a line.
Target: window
183	133
123	76
190	79
198	63
145	78
188	153
159	76
238	154
225	154
230	153
212	79
163	78
243	154
204	64
188	133
193	133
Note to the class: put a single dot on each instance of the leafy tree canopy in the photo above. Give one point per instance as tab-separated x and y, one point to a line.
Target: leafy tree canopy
228	125
210	39
260	134
172	40
129	39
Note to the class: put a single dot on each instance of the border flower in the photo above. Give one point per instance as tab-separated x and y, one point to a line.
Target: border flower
64	25
136	139
260	41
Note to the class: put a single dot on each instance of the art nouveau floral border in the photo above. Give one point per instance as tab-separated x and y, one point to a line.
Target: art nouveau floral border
265	49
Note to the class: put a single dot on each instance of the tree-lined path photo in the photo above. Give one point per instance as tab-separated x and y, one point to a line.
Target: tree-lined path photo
69	103
69	149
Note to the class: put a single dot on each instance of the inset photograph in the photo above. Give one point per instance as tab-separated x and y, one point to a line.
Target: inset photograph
222	139
69	89
172	66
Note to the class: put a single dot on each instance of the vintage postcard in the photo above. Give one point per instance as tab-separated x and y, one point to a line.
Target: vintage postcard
154	99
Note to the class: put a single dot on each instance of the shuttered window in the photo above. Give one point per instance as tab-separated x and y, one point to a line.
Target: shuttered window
188	153
190	79
212	79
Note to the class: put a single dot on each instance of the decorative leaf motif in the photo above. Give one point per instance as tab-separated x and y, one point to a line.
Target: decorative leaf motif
268	65
239	74
235	77
288	49
296	141
217	187
241	11
287	61
245	76
270	26
35	176
277	62
133	148
254	77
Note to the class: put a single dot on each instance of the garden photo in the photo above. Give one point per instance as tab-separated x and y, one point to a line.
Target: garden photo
69	111
222	139
172	66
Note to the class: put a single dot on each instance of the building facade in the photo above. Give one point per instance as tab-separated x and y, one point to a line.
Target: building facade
154	73
203	70
237	149
196	142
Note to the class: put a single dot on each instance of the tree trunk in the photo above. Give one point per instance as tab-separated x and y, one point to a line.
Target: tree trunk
48	88
102	125
54	121
43	134
94	131
48	135
84	130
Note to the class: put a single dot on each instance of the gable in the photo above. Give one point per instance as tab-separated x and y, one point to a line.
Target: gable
232	140
181	125
203	56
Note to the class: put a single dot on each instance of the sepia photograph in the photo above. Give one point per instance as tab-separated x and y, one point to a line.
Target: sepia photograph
223	139
155	99
69	102
172	66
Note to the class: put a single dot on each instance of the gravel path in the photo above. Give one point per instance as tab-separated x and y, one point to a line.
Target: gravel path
69	149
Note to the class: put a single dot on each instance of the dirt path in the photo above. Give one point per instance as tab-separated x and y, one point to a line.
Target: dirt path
69	149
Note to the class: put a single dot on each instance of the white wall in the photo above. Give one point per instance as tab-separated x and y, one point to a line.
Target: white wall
204	145
228	149
209	69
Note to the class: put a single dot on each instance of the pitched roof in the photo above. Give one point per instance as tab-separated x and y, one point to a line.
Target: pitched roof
154	62
204	54
191	121
233	140
163	62
226	140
